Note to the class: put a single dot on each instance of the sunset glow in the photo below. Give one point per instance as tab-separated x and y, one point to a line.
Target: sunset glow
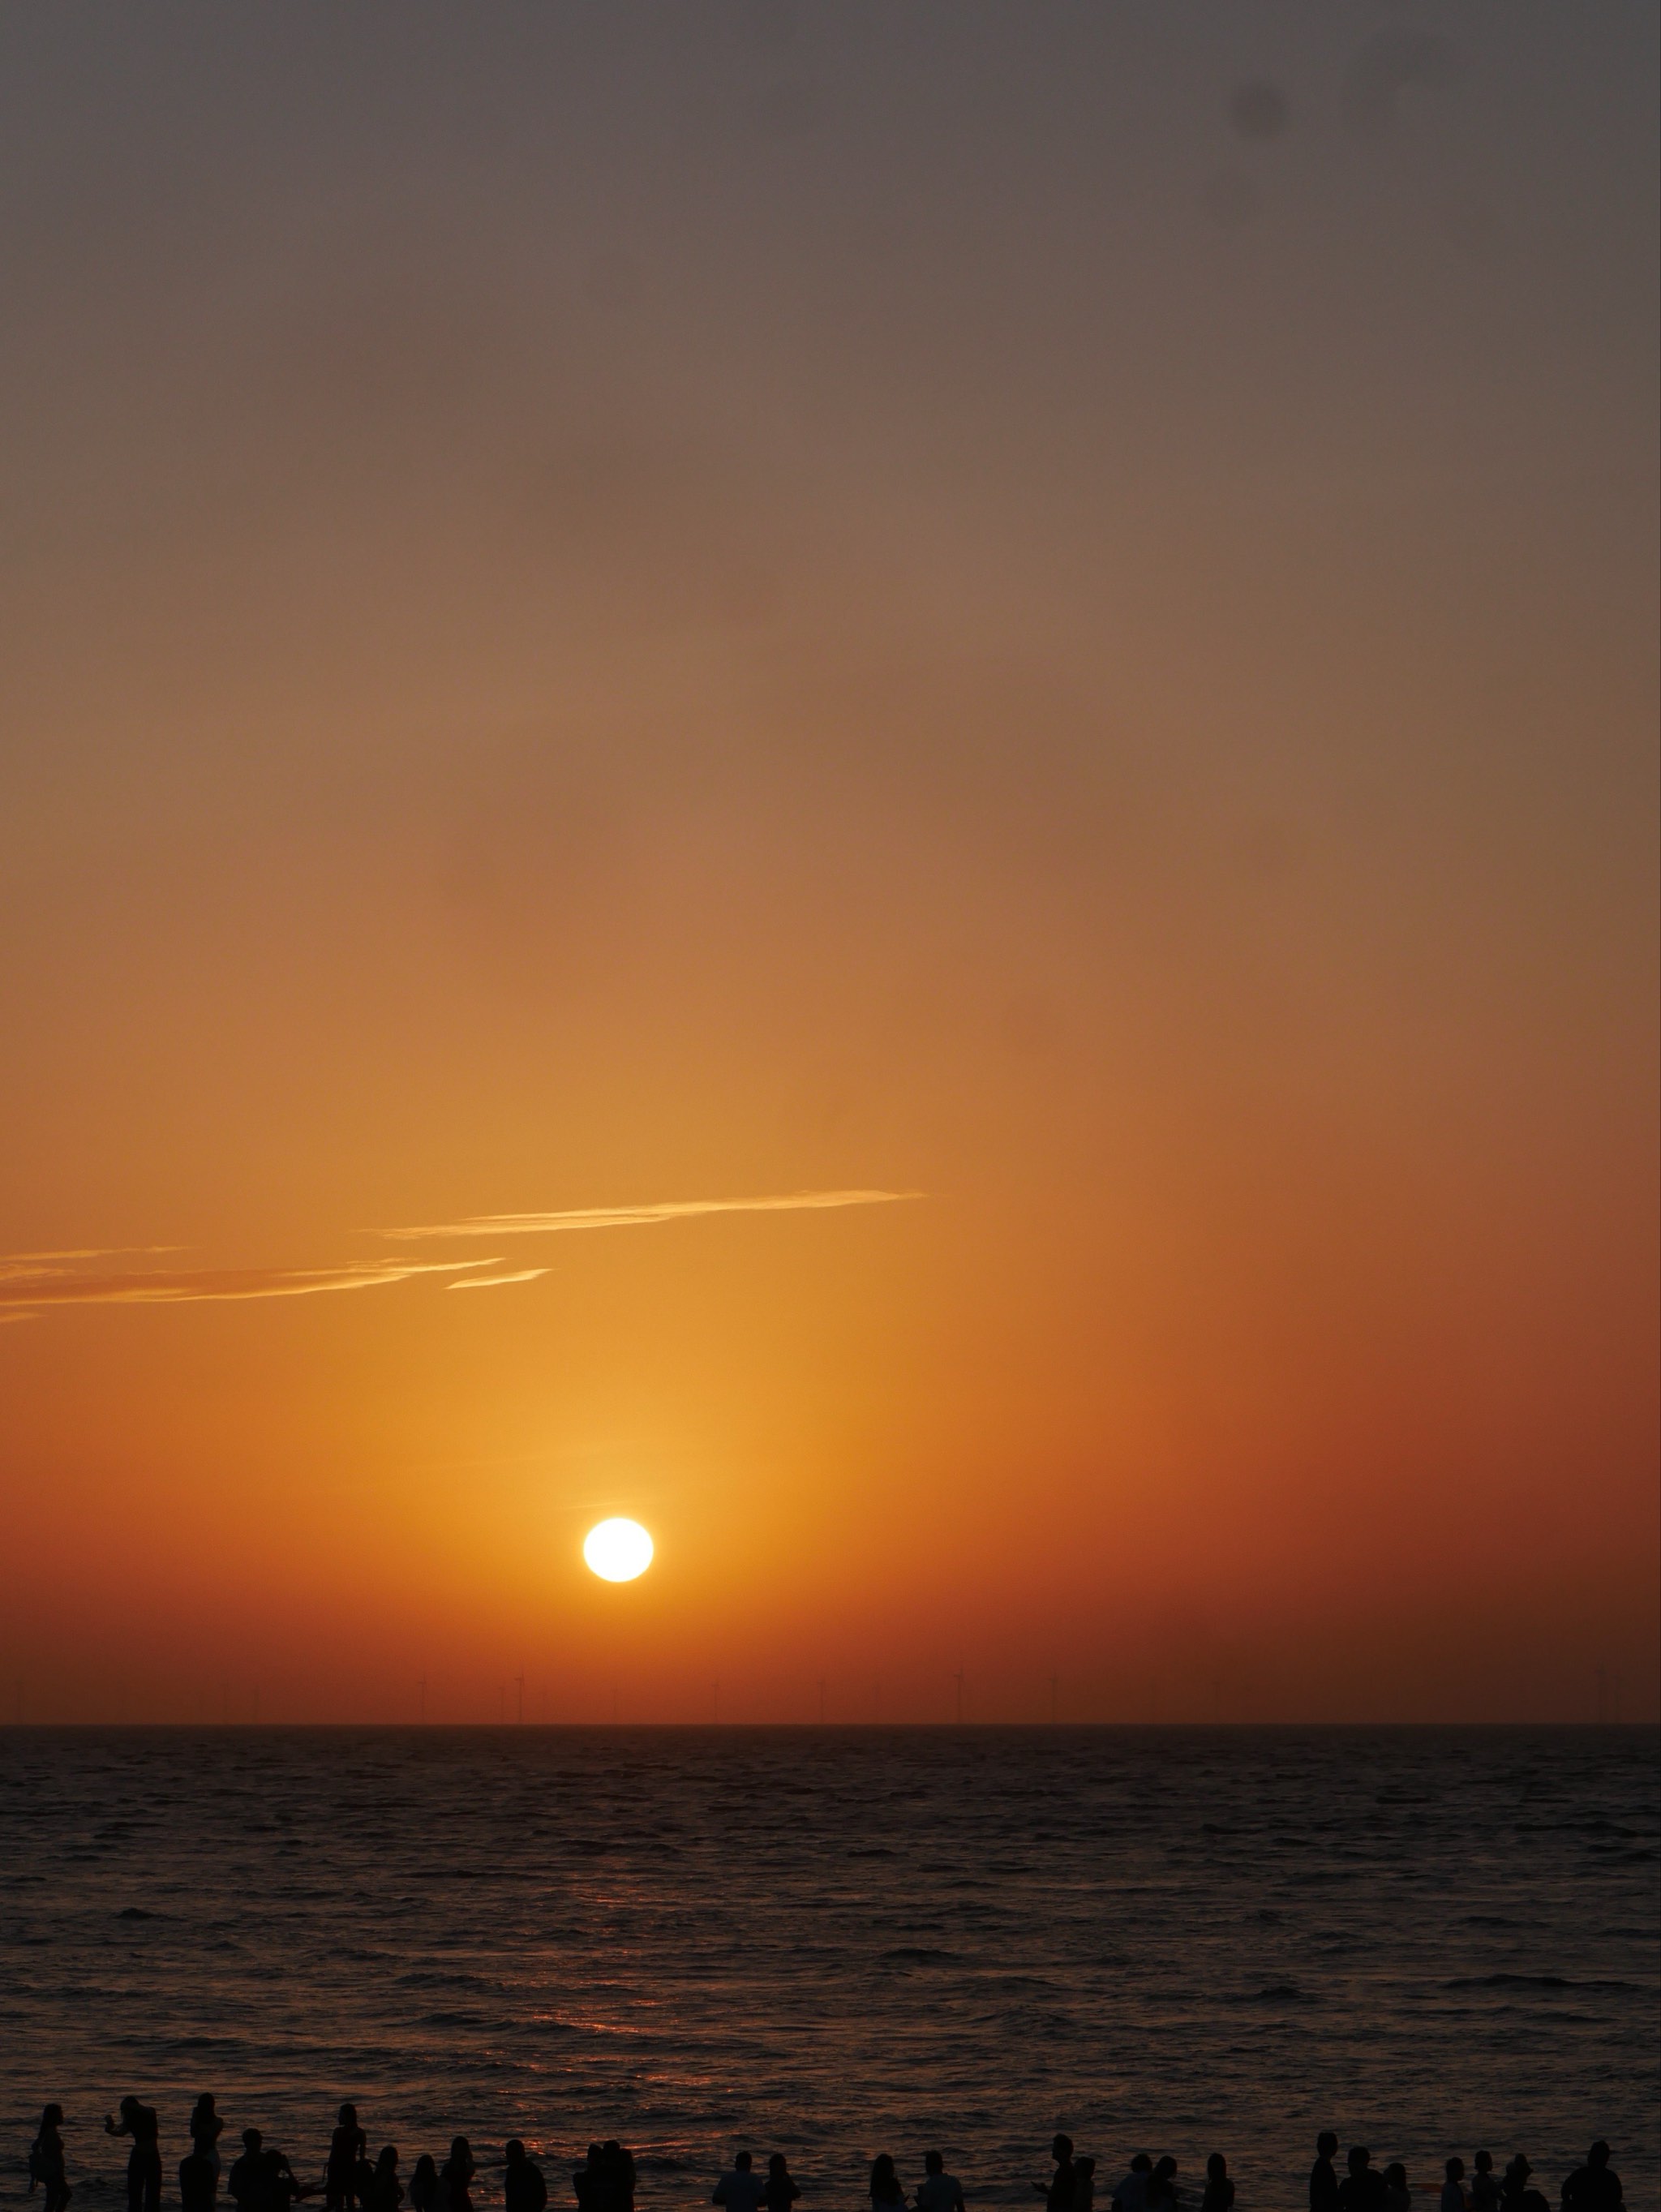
883	783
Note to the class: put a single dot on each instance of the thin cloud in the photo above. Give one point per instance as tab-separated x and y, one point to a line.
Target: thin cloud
25	1289
489	1282
631	1217
14	1260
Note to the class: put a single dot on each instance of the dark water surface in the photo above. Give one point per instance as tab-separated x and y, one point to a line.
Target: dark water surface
834	1941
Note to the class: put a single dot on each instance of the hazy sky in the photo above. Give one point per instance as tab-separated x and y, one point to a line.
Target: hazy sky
606	608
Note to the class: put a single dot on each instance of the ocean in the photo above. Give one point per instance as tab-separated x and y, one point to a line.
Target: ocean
835	1941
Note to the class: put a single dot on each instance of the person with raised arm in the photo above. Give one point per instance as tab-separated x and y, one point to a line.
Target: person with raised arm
144	2160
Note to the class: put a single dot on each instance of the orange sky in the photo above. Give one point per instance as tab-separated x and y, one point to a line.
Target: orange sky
601	611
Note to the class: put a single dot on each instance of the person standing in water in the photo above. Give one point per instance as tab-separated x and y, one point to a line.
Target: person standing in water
47	2169
456	2177
1162	2186
778	2191
385	2192
144	2160
1131	2195
1324	2175
1057	2191
424	2184
197	2184
739	2188
1219	2189
206	2129
1594	2186
524	2186
938	2191
347	2146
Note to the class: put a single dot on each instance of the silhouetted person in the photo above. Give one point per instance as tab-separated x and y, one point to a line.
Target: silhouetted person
424	2184
47	2167
1514	2182
197	2183
144	2160
1057	2191
1594	2186
281	2182
347	2146
1131	2195
1484	2184
383	2191
938	2191
206	2129
588	2182
456	2177
1084	2185
778	2191
1219	2189
618	2166
1397	2197
524	2189
1322	2176
739	2188
247	2179
1162	2186
1453	2189
1361	2190
884	2188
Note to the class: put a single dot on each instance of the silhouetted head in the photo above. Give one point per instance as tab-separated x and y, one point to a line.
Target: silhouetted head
461	2150
1062	2149
933	2162
1327	2143
204	2104
127	2107
1141	2163
612	2147
1217	2166
776	2163
743	2162
1165	2170
52	2116
387	2162
1360	2158
1483	2161
513	2150
1085	2168
1599	2153
348	2116
593	2153
1520	2169
252	2139
425	2168
1455	2169
883	2173
1396	2176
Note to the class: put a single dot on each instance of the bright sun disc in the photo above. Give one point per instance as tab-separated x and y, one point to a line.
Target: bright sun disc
617	1551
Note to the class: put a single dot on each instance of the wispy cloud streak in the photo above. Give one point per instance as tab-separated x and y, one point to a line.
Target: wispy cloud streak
27	1287
32	1282
490	1282
631	1217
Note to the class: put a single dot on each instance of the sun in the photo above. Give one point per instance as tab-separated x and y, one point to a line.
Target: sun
617	1551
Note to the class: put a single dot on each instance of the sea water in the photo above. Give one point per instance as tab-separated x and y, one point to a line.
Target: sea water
836	1941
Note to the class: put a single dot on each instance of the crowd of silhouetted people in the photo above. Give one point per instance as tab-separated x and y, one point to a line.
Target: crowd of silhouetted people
262	2179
